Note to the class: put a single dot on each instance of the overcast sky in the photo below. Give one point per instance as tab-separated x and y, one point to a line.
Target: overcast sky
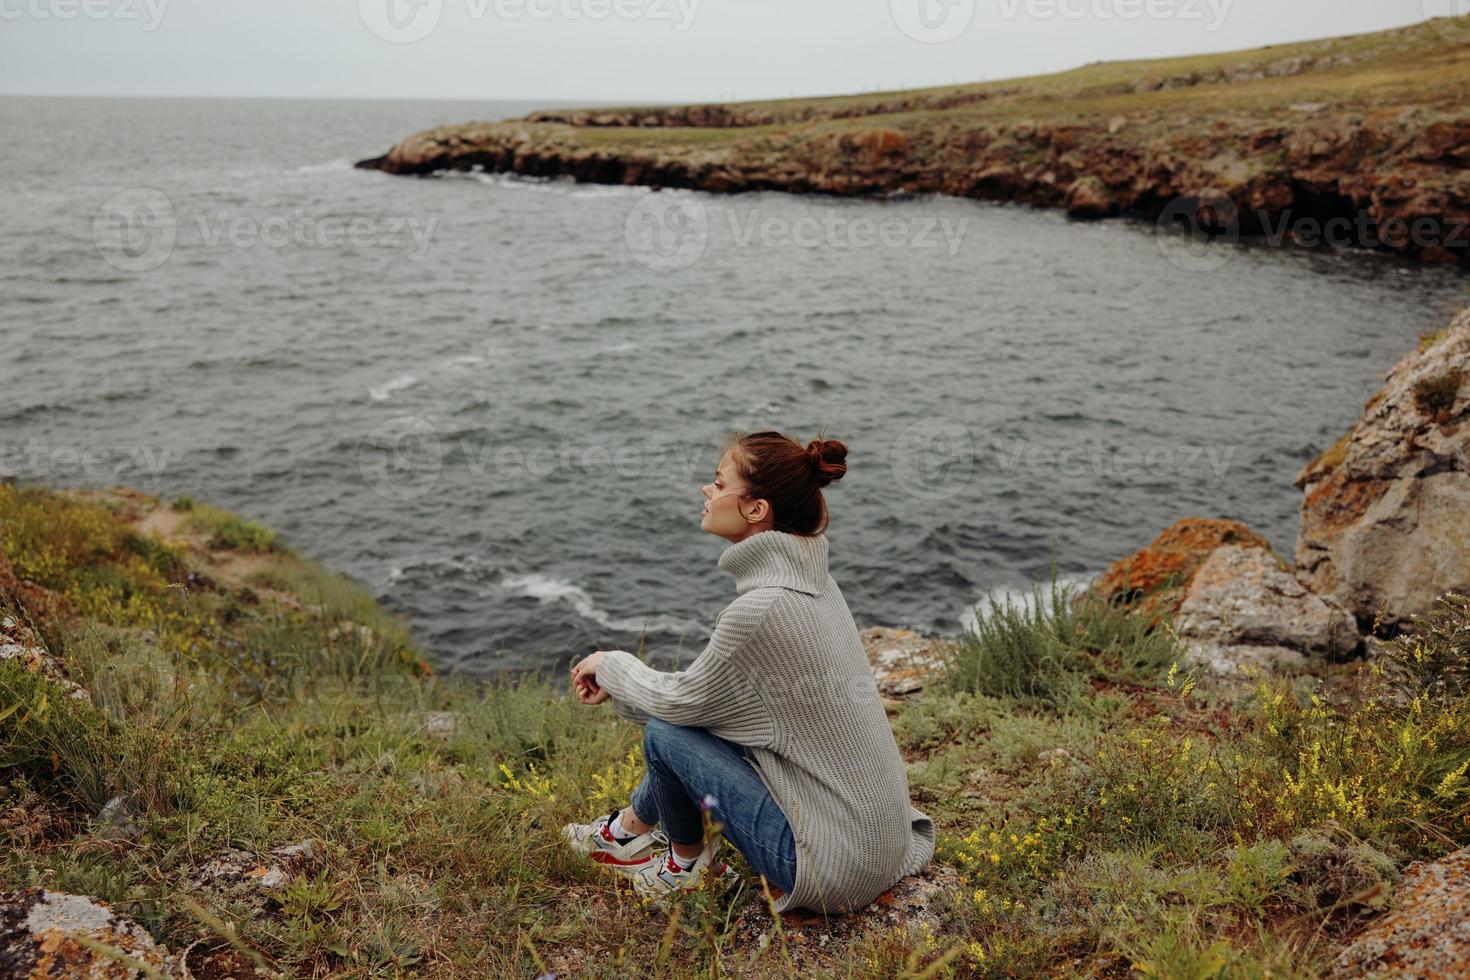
622	50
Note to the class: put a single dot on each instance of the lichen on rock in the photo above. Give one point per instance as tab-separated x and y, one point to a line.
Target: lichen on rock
1385	519
1426	933
46	933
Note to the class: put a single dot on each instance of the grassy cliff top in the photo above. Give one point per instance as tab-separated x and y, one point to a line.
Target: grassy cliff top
240	750
1425	65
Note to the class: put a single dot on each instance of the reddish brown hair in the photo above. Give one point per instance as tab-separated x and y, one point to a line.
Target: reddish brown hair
778	469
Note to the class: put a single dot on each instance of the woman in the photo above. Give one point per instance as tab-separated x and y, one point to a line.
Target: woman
776	729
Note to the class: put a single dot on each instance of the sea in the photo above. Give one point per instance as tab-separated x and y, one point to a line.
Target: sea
493	400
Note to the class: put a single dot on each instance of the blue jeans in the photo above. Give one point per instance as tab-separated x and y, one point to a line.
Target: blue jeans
687	764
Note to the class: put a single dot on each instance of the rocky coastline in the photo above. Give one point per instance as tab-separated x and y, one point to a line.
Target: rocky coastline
310	777
1359	141
1385	532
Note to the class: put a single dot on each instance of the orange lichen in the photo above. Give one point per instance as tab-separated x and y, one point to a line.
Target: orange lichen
1156	576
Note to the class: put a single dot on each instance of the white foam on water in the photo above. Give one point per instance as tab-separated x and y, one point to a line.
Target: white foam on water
549	589
608	190
329	166
1018	597
507	181
386	391
467	565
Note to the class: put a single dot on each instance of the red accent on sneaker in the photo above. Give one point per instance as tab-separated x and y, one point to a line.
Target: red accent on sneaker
602	857
607	834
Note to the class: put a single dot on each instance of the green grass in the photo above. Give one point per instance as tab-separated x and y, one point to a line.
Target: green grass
226	530
1045	650
1103	812
1411	66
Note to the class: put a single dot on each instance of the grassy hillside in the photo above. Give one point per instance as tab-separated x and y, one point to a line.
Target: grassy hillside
1372	124
1104	816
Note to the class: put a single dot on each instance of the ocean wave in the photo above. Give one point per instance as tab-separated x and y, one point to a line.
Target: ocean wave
385	391
608	190
462	565
1021	597
329	166
547	589
506	181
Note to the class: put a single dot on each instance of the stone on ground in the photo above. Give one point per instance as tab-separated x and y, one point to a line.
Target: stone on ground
902	660
55	934
917	901
1426	932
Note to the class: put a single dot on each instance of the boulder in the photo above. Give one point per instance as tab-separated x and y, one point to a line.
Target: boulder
1089	199
902	660
1154	578
1242	606
1385	520
1235	603
55	934
1425	933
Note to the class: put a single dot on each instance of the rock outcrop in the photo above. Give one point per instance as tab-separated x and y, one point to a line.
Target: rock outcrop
1425	934
1236	603
1243	607
1154	578
54	934
903	661
1385	525
1381	165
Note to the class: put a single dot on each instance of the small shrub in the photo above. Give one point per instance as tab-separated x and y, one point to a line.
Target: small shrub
1015	651
1436	395
1257	874
1043	650
57	743
242	535
1433	659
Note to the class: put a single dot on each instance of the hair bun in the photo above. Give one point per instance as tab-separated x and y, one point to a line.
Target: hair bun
828	458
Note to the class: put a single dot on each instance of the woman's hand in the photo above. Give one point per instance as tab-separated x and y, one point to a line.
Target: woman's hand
584	679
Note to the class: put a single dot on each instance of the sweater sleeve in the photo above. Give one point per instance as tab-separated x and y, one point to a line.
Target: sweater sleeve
625	710
713	692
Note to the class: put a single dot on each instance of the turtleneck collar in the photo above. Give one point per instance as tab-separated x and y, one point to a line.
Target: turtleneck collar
791	561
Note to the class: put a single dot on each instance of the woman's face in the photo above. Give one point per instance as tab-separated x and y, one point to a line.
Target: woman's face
727	512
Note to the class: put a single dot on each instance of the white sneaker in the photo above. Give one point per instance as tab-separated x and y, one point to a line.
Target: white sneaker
665	875
596	841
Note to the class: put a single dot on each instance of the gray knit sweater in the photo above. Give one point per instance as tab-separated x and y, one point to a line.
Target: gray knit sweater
785	674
